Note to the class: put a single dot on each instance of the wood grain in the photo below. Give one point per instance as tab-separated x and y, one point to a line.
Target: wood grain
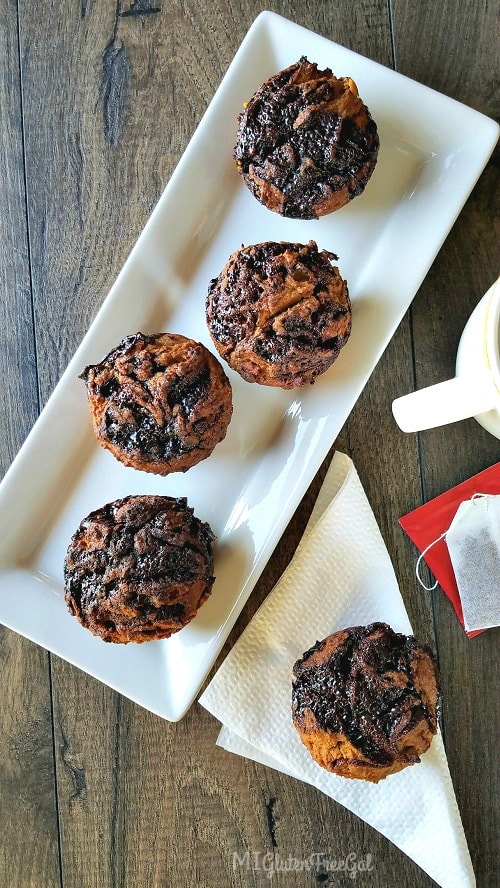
27	790
455	60
112	93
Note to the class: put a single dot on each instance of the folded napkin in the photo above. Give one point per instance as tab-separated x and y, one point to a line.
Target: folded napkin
340	576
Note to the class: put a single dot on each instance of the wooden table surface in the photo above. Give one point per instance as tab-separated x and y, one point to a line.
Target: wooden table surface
98	101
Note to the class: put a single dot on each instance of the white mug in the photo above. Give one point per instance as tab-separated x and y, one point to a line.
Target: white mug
475	390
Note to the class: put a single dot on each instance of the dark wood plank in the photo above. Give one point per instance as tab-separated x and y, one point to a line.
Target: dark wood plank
27	790
18	400
451	47
460	61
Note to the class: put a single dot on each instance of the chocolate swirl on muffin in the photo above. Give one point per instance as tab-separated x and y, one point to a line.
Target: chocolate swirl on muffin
306	142
279	313
159	403
139	568
365	701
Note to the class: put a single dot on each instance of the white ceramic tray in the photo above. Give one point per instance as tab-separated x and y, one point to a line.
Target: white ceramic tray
432	152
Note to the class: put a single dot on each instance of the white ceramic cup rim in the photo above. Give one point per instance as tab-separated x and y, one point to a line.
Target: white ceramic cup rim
492	333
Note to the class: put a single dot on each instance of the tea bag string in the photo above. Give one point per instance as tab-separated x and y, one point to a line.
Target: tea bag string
437	540
419	561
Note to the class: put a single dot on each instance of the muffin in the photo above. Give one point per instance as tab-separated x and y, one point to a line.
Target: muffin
365	701
139	568
306	143
279	313
159	403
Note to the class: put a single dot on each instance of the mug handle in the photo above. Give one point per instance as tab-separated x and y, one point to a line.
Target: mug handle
446	402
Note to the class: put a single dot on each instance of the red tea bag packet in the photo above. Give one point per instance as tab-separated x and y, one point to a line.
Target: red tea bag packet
427	523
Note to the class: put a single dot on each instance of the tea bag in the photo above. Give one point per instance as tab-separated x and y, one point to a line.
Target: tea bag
473	541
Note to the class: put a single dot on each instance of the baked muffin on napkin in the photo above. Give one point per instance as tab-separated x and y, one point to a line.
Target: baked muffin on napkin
365	701
340	575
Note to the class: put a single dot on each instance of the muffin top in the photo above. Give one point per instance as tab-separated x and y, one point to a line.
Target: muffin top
159	403
375	687
139	568
279	313
306	143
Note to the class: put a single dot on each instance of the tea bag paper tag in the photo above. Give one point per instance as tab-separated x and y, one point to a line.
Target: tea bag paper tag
473	541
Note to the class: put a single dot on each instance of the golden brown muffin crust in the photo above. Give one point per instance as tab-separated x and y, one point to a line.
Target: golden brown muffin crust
139	568
365	701
306	142
279	313
159	403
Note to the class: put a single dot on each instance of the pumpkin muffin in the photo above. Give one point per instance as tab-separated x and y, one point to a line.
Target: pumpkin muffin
139	568
365	701
159	403
279	313
306	142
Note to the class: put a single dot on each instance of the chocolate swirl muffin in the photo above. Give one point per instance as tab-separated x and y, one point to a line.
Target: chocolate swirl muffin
159	403
139	568
365	701
279	313
306	143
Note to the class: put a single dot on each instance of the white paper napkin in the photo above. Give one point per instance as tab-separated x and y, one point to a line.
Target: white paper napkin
341	575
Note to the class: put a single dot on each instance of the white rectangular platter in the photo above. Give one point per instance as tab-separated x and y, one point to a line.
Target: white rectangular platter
432	152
